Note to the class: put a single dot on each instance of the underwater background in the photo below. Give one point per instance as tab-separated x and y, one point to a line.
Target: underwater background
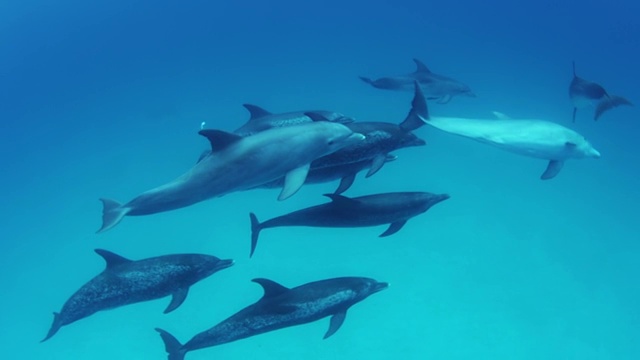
105	98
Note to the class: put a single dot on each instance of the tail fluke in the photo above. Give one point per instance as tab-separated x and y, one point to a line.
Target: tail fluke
171	345
366	79
419	113
112	214
608	103
57	324
255	232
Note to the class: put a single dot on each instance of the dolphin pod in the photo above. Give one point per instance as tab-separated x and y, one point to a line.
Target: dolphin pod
285	151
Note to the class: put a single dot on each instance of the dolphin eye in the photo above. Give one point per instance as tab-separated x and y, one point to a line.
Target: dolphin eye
331	142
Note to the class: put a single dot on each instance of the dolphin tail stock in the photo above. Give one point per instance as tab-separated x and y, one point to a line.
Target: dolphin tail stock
256	226
608	103
366	79
419	113
112	214
57	324
171	345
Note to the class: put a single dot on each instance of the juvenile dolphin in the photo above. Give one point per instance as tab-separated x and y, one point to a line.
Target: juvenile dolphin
584	93
282	307
125	282
436	87
240	163
346	173
261	119
531	137
371	210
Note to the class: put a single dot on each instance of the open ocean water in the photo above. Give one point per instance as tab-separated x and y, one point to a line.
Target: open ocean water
105	98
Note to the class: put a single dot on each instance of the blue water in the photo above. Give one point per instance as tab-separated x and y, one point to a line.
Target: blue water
105	98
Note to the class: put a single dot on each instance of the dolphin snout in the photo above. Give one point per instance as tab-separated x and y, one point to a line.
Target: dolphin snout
441	197
223	264
595	153
380	286
356	137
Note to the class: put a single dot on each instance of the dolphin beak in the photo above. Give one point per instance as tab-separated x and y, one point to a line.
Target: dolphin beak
380	286
223	264
596	154
441	198
355	137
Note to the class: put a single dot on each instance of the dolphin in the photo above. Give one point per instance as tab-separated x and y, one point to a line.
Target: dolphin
125	282
261	119
530	137
371	210
346	173
240	163
584	93
381	138
281	307
436	87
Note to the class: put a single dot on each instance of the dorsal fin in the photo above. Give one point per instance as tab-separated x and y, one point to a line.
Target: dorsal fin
256	111
421	67
219	139
111	259
315	116
340	199
270	287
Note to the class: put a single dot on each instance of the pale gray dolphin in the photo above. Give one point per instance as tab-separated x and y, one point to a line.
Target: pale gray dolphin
281	307
435	86
240	163
584	93
530	137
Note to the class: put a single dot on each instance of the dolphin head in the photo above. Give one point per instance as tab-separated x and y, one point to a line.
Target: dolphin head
206	265
338	136
426	200
364	287
409	139
463	89
581	148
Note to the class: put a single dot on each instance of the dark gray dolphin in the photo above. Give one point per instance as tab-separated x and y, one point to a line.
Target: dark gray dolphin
261	119
282	307
381	138
125	282
239	163
435	86
346	173
584	93
371	210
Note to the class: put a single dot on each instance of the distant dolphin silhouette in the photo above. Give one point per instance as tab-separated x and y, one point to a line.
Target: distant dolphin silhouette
584	93
435	86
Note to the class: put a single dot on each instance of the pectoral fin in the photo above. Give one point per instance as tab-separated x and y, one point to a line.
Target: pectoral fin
393	228
293	181
552	170
178	298
336	321
345	183
376	164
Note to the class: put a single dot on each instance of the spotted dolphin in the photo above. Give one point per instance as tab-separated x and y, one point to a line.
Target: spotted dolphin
281	307
394	209
435	86
240	163
125	282
584	93
261	119
529	137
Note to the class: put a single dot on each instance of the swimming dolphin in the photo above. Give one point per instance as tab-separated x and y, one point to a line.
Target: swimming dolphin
381	138
436	87
346	173
530	137
240	163
261	119
125	282
371	210
282	307
584	93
